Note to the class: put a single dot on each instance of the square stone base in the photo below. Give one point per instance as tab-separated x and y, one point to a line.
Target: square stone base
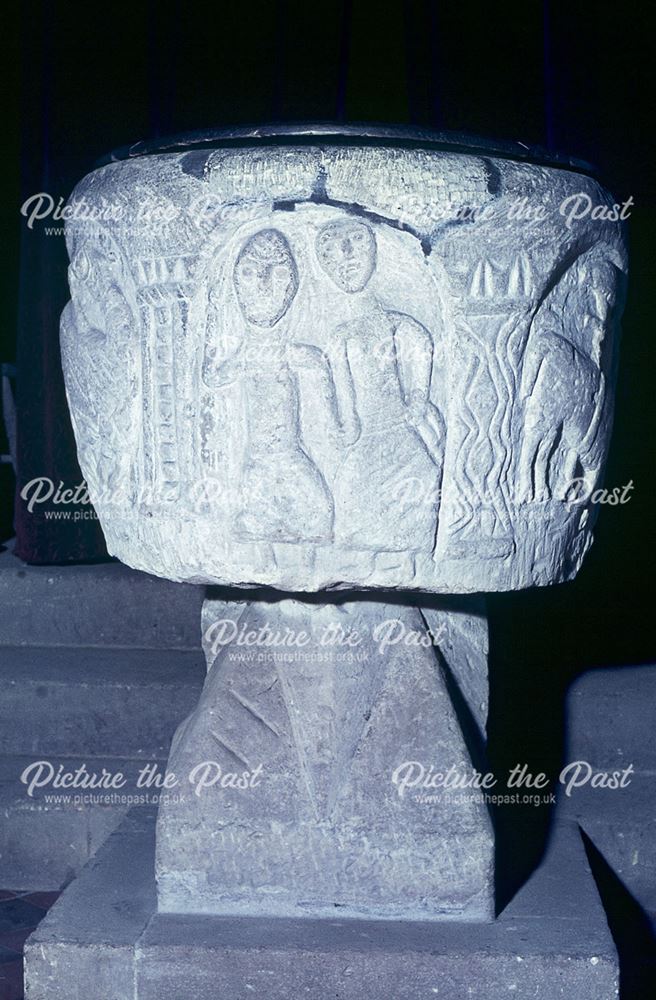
104	939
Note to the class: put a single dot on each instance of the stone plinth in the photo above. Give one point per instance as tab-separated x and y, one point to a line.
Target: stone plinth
105	939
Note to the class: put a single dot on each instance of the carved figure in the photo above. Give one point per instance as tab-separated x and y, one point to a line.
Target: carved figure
564	386
101	325
282	495
382	363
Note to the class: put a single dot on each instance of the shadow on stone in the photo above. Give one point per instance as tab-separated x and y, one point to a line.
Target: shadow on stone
632	930
526	726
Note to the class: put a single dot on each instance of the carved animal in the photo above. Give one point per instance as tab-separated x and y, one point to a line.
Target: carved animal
564	394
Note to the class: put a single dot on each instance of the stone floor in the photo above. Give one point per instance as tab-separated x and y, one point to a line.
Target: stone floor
20	912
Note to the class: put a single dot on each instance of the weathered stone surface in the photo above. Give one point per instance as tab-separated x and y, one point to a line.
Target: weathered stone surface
103	605
44	844
104	939
95	701
321	710
332	366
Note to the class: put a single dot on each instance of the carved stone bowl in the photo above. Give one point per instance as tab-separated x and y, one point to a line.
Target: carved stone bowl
368	361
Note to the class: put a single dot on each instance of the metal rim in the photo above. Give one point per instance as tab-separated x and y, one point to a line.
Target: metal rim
331	133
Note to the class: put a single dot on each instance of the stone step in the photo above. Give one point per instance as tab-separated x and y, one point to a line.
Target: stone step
107	604
611	714
47	838
90	700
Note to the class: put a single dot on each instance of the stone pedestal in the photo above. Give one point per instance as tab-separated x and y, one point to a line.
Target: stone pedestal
311	756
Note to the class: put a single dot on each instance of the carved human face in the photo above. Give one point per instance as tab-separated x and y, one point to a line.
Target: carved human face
84	280
266	279
347	253
80	267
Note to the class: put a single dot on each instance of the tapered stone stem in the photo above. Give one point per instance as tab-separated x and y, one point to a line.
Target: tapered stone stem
308	768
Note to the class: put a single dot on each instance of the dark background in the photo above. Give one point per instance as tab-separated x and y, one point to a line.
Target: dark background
571	76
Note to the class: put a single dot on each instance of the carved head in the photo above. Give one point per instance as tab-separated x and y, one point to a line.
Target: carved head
79	268
597	301
265	276
85	280
347	253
